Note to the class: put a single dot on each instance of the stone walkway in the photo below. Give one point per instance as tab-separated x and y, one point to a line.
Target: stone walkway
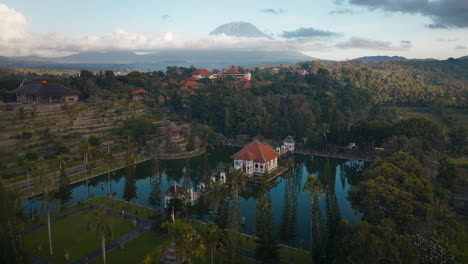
144	225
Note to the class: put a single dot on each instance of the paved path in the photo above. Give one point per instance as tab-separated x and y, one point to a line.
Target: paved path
144	225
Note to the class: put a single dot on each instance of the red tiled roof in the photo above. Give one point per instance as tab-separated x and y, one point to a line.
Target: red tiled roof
301	70
248	84
216	71
247	70
139	91
201	71
160	97
191	78
191	83
243	80
165	84
257	152
232	71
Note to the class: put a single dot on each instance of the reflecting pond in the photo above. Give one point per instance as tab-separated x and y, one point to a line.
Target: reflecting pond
145	183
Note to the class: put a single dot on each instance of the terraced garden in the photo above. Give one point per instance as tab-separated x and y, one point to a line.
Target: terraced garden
44	132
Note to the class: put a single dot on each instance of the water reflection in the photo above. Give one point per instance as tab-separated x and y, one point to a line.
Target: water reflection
144	184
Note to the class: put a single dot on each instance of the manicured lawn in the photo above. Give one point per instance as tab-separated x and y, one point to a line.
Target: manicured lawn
289	255
71	234
118	205
135	250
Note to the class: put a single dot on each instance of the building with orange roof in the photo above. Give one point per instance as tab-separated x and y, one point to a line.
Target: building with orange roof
257	158
191	78
202	73
216	74
302	72
236	74
139	94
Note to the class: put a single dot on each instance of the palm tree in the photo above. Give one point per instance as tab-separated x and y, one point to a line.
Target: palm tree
324	130
110	161
101	221
11	224
236	180
47	185
89	167
212	235
30	167
85	150
187	243
131	155
314	187
64	190
215	192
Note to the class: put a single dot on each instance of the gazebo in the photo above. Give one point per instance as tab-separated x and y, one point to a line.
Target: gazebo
45	90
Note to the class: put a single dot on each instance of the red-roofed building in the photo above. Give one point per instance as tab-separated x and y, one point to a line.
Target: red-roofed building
236	74
256	158
232	71
302	71
139	94
247	84
191	78
191	85
202	73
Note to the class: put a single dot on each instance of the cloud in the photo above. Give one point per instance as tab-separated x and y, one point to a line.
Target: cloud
13	30
447	39
15	40
342	11
274	11
443	13
461	47
406	44
165	17
311	32
369	44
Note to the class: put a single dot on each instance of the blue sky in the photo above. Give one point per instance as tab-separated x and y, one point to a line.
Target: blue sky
360	27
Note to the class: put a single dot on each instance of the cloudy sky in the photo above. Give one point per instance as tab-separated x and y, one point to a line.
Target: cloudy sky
326	29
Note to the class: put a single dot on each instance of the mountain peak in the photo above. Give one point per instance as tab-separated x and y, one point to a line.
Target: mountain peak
240	29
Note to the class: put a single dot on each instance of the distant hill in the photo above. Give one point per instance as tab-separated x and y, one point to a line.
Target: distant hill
388	58
125	60
463	58
380	58
240	29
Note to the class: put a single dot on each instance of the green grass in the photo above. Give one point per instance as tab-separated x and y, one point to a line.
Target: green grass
130	208
135	250
289	255
71	234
